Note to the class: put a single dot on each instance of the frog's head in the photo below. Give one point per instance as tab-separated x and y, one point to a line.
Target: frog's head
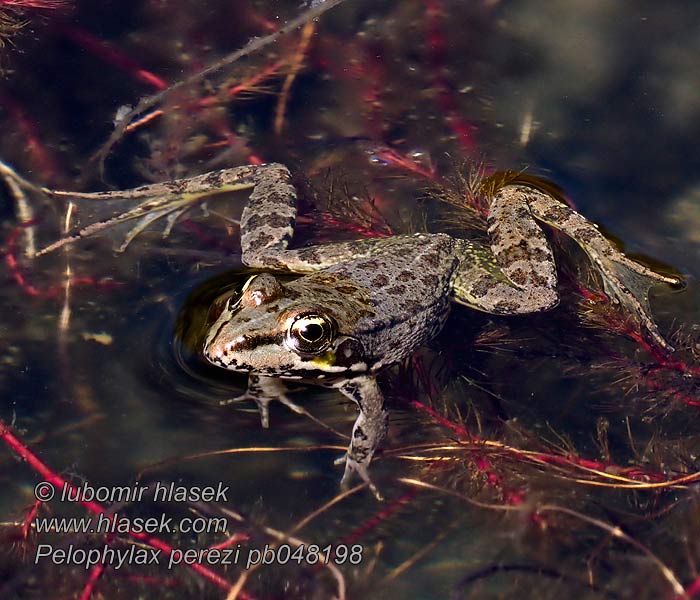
287	330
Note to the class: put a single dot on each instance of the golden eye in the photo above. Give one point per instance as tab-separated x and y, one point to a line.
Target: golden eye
310	333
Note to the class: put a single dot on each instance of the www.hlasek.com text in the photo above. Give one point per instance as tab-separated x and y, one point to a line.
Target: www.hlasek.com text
116	523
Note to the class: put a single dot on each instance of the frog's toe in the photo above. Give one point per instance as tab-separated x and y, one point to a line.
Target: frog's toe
293	406
262	404
264	408
241	398
353	467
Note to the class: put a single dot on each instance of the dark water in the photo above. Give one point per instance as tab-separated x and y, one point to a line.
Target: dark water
527	428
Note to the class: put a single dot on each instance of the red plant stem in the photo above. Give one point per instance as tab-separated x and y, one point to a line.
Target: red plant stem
376	520
29	289
41	159
58	482
29	519
676	396
691	591
680	366
512	497
389	156
147	118
245	86
434	13
48	4
334	222
234	539
114	57
261	20
373	75
232	141
427	382
438	418
95	574
13	265
561	460
662	359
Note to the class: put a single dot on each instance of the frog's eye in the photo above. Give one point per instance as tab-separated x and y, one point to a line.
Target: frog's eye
310	333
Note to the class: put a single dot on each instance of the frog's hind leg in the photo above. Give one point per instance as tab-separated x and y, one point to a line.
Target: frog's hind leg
517	274
626	282
169	200
268	219
267	228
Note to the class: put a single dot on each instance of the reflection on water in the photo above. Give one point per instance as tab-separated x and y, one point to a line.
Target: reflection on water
527	457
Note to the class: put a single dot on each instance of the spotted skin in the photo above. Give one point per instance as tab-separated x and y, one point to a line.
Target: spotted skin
625	281
387	297
363	305
169	200
369	428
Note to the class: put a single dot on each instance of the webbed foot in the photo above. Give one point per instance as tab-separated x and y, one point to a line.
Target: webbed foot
263	390
168	200
625	281
354	467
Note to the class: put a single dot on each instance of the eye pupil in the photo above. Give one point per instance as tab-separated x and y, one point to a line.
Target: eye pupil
311	332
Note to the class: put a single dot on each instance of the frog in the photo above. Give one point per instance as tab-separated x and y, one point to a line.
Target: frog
361	306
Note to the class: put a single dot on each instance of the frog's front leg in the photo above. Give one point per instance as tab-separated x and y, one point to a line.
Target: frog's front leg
262	390
367	432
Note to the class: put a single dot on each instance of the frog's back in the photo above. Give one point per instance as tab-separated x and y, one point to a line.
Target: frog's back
408	283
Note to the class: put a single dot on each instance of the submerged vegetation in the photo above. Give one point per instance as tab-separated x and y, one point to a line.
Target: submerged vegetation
527	457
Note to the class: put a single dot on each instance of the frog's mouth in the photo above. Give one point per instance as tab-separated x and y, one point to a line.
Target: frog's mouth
267	354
